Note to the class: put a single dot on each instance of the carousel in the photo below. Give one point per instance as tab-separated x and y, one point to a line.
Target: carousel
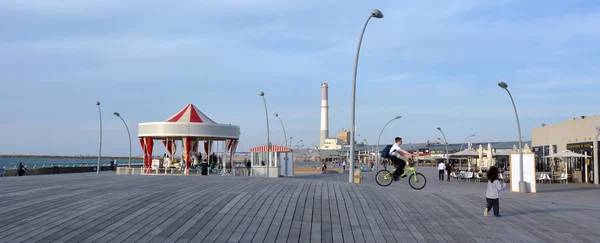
190	128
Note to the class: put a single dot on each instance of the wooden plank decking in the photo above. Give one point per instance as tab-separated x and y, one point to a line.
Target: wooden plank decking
110	208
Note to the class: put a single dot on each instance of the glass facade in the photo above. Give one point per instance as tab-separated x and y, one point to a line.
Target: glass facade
544	164
582	168
261	158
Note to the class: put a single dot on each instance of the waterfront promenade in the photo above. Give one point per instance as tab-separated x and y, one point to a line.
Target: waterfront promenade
86	207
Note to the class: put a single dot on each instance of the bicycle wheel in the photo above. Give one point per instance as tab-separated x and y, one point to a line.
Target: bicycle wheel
383	178
417	182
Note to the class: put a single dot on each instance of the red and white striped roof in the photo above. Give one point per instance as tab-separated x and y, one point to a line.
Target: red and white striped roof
274	148
191	114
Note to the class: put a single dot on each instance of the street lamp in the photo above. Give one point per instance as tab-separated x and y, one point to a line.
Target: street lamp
128	135
461	145
284	135
262	94
379	138
522	184
445	143
377	14
100	140
285	138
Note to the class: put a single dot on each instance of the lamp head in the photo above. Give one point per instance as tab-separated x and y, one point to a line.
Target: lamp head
397	117
97	102
502	85
116	113
261	93
439	129
472	135
275	114
376	13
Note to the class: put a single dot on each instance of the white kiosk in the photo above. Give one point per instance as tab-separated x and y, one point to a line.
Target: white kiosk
282	161
528	172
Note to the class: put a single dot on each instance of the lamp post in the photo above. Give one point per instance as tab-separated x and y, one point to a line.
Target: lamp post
379	138
445	142
595	153
284	138
262	94
377	14
522	184
128	136
461	145
100	140
284	135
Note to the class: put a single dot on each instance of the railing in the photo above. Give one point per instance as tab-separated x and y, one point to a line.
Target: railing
61	165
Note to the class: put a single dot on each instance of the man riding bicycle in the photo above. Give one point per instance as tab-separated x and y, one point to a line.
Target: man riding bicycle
396	156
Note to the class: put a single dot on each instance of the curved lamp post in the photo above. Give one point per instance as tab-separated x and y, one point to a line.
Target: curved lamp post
128	135
445	143
284	138
461	145
262	94
284	135
522	184
379	139
377	14
595	154
100	141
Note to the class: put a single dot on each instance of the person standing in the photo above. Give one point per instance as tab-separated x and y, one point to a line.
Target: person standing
492	193
448	170
21	170
248	167
441	169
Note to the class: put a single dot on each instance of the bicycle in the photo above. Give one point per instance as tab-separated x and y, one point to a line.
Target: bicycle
385	177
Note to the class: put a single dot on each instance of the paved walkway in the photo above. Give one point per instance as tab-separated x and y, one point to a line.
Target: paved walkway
110	208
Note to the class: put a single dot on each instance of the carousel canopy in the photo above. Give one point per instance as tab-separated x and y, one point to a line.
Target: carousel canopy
189	122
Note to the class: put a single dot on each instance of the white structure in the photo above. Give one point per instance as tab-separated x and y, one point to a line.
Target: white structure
282	161
332	144
190	126
324	114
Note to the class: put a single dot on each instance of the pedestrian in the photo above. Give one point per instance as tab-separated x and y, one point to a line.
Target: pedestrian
492	193
441	168
21	170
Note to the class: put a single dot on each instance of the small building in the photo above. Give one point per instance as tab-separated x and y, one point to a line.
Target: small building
344	135
282	161
332	143
575	134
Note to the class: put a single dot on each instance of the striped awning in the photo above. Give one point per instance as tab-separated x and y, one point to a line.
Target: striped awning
274	148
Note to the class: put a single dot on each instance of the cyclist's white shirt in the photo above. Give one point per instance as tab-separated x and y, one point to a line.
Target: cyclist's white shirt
395	149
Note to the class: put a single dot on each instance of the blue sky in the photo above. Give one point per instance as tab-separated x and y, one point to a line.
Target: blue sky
436	63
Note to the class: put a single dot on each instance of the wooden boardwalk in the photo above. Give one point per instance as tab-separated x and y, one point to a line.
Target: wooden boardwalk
110	208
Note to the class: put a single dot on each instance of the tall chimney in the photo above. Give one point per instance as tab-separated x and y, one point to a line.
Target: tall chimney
324	114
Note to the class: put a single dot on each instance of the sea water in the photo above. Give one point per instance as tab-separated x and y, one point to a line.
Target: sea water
32	162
